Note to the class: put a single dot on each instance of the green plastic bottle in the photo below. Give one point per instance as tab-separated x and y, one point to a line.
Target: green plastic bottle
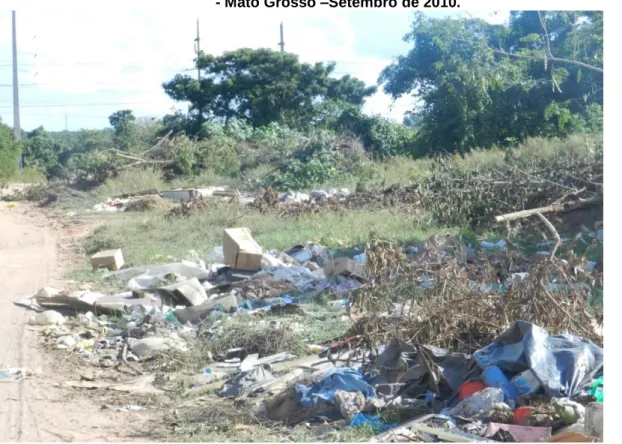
597	389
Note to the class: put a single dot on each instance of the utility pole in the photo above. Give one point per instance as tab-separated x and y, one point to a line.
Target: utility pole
197	50
282	44
16	124
66	123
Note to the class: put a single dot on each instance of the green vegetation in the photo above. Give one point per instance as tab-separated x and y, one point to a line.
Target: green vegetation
155	237
9	152
261	117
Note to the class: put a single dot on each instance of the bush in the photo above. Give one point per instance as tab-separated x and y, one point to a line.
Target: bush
380	136
95	166
319	160
9	152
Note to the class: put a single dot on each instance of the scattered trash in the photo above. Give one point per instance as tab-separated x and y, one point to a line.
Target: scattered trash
494	377
594	420
344	266
150	347
49	317
480	405
525	346
350	403
375	422
337	379
522	414
520	433
240	249
495	386
13	374
526	383
470	388
132	408
569	411
110	259
597	389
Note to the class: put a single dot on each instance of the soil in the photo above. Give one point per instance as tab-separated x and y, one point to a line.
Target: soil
34	250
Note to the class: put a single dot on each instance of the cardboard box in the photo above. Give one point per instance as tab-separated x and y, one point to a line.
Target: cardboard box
343	266
110	259
240	249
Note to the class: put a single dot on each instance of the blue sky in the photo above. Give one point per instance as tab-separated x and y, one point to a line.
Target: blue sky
77	66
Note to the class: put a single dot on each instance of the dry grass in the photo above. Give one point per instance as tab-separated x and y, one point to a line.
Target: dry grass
459	316
263	339
149	203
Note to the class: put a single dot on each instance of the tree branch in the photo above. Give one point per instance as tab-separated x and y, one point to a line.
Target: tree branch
554	59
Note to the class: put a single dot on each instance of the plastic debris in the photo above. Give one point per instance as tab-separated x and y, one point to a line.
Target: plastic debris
479	405
350	403
49	317
525	346
323	390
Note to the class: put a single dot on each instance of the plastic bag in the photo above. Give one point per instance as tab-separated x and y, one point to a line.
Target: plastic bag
565	365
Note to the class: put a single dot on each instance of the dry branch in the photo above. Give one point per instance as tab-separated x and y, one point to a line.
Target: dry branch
553	231
556	208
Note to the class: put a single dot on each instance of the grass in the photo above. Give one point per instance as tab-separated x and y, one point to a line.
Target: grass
28	175
153	237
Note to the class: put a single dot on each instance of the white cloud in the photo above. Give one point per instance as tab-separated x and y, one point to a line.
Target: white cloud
86	56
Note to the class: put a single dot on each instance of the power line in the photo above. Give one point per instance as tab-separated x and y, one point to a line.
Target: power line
50	105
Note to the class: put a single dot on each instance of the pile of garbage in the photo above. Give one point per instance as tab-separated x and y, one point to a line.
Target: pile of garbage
488	345
527	384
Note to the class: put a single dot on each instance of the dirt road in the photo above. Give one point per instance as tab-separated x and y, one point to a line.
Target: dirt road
33	410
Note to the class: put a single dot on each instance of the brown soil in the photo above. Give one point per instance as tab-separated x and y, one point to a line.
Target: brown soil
33	251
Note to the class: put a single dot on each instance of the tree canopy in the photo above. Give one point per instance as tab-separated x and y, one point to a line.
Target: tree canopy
482	84
121	122
263	86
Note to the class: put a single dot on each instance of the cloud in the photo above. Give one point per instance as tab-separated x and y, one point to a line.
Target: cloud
84	56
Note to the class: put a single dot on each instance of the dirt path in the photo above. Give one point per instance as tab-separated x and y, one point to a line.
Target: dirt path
33	410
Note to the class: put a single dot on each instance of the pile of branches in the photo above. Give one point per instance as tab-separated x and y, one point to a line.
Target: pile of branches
406	199
465	309
196	204
506	192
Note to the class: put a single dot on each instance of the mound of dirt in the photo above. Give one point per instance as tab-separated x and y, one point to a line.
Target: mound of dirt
148	203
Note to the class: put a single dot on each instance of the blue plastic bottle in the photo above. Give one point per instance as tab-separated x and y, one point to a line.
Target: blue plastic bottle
494	377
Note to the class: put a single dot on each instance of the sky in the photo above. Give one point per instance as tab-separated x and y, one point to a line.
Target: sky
77	66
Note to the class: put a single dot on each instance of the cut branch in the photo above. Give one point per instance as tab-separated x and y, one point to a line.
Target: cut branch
555	208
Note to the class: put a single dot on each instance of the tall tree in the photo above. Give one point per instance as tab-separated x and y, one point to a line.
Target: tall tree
483	84
262	86
122	123
42	151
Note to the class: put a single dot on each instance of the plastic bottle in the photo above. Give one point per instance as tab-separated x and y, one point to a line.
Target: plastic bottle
597	389
494	377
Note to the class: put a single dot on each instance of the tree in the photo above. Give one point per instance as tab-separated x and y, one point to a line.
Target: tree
484	84
9	151
124	131
42	151
411	119
261	86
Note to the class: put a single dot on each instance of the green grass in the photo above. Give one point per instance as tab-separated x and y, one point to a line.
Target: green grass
153	237
131	181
